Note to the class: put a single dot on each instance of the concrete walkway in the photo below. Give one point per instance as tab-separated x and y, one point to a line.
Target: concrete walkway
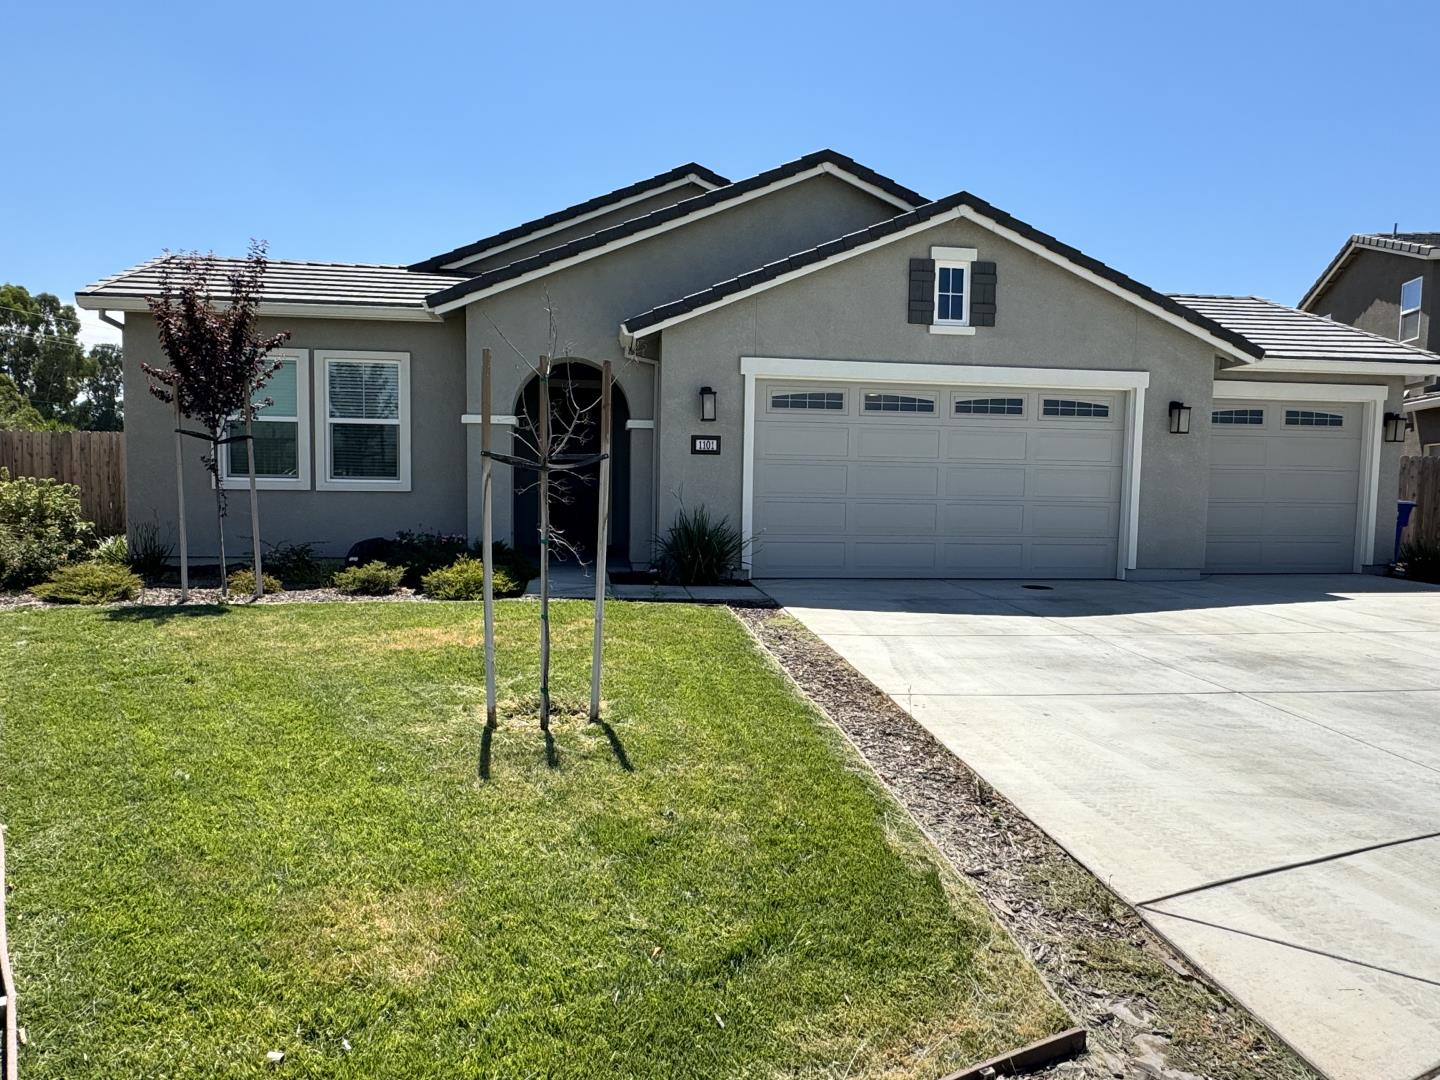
1254	762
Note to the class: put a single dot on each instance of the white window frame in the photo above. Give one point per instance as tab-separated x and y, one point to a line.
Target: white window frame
1400	327
235	482
920	395
953	258
323	480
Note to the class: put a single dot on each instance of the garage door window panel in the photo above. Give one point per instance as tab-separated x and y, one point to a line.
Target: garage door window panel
1075	409
828	401
988	406
1238	417
1310	418
880	401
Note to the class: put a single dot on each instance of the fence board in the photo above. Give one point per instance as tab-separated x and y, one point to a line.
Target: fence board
94	461
1420	482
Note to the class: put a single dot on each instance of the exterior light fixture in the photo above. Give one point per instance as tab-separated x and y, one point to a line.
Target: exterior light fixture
1179	418
1396	426
707	403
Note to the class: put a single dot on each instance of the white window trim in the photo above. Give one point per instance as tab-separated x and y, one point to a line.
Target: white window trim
302	435
1400	326
952	258
323	479
1373	399
1132	383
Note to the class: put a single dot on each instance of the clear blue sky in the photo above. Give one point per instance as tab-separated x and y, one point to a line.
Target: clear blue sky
1215	147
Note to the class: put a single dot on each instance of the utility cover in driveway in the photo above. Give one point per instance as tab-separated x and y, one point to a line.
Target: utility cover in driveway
856	480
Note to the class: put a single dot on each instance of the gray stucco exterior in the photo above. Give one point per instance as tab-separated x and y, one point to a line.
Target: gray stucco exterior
1366	293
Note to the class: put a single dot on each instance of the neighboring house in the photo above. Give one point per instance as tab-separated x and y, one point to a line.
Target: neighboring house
1388	285
904	387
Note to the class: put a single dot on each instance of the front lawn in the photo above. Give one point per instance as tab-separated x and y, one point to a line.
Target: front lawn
237	830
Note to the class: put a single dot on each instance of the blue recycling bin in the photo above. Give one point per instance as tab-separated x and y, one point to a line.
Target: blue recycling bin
1403	509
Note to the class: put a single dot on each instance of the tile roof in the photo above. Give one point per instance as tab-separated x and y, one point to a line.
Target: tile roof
675	212
1286	333
559	217
289	282
637	324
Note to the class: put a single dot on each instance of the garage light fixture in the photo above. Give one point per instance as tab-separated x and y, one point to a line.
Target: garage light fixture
707	403
1179	418
1396	426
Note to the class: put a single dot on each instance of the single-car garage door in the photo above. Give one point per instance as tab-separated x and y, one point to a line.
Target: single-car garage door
1284	487
853	480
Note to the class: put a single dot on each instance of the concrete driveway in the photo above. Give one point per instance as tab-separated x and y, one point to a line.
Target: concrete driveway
1254	762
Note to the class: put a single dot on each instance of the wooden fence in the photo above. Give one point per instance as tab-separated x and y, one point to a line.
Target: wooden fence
94	461
1420	481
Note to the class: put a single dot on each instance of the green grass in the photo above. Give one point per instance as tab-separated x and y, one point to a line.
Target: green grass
245	829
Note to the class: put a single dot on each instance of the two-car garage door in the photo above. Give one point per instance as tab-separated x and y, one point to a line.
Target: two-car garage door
853	480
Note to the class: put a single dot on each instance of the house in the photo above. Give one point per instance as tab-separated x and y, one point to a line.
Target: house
1387	285
901	386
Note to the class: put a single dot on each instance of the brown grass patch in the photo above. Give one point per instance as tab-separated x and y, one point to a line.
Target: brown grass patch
397	937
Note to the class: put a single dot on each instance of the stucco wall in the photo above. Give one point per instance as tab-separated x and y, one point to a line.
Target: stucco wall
592	299
332	520
1367	294
856	310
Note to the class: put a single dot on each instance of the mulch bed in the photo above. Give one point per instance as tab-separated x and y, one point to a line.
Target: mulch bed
1148	1013
166	596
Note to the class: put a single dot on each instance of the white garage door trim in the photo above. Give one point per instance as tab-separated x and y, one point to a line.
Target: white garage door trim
1132	383
1373	398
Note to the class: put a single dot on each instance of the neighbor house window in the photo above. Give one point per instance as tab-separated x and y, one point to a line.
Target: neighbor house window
952	304
1310	418
1410	309
365	408
825	400
990	406
1238	416
281	442
1068	407
898	403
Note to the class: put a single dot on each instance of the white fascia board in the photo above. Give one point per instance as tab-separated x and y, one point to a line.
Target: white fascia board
578	219
771	367
1421	404
1346	367
966	212
645	234
864	185
1299	391
287	311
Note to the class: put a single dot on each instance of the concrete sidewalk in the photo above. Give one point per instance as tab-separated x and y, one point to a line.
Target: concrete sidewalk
1253	762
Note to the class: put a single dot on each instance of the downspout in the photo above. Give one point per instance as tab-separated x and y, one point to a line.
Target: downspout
105	317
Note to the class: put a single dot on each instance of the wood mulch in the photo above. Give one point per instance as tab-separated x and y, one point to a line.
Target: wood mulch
1149	1014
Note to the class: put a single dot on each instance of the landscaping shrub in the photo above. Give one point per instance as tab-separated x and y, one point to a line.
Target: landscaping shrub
149	555
297	564
40	528
699	550
242	582
372	579
90	583
113	549
1421	560
464	580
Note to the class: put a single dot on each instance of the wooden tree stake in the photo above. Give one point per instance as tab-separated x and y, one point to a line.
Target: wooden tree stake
544	440
180	500
487	468
254	500
602	540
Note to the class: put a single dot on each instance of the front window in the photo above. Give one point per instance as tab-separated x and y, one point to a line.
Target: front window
952	305
366	420
281	430
1410	309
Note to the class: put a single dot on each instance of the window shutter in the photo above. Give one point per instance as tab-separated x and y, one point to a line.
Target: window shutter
982	294
922	291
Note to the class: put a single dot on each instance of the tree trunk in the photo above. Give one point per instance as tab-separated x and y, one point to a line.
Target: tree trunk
544	446
254	502
180	502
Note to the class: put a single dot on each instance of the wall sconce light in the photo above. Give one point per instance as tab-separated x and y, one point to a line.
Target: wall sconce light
1396	426
1179	418
707	403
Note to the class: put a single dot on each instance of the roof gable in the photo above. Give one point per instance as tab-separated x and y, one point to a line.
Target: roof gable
1414	245
689	173
960	205
674	216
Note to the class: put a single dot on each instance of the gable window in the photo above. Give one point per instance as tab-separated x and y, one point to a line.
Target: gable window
1095	410
951	305
824	400
281	441
1238	416
1310	418
996	406
898	403
365	414
1410	309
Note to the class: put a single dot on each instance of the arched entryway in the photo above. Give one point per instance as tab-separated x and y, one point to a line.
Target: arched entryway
574	406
